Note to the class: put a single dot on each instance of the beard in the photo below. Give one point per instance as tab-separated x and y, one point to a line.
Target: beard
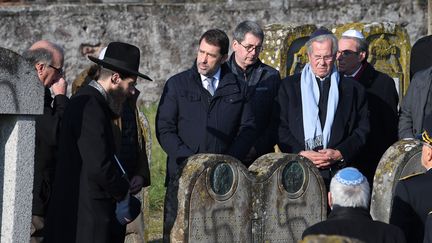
117	98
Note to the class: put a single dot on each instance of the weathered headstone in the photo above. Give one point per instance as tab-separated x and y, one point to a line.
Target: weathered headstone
401	159
138	230
216	199
21	95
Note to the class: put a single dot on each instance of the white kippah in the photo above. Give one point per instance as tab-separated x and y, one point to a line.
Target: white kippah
353	33
102	53
349	176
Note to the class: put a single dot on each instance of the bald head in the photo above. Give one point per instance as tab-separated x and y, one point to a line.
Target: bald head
47	58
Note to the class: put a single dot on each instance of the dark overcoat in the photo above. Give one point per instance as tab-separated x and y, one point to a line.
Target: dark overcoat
263	84
87	180
383	101
356	223
47	134
350	125
411	204
190	121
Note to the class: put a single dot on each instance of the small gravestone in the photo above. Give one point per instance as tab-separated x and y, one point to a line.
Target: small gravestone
216	199
21	95
402	159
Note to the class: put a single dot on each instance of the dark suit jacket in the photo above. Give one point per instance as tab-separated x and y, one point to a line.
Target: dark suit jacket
88	180
350	125
428	229
356	223
190	121
411	204
382	103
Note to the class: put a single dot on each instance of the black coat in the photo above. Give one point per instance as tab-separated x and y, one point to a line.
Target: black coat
350	125
411	204
87	180
47	133
356	223
190	121
382	100
428	229
263	84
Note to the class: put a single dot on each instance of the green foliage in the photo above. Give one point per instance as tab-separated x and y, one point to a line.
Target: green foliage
158	163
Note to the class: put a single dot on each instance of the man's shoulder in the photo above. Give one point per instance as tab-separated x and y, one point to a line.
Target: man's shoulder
291	79
269	69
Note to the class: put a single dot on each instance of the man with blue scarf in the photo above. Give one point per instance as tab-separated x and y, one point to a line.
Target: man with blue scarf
323	116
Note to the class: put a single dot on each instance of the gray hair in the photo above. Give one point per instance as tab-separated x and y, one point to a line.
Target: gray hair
322	38
356	196
38	55
248	27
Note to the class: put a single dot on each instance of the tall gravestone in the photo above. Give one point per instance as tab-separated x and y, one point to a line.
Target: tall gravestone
402	159
21	96
216	199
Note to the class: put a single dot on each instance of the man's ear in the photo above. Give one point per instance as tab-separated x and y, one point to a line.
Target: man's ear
329	198
39	68
115	78
362	56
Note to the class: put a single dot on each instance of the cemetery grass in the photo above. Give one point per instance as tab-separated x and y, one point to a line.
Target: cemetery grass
157	173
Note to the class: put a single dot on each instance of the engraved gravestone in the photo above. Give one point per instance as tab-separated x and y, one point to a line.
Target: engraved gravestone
402	159
21	95
216	199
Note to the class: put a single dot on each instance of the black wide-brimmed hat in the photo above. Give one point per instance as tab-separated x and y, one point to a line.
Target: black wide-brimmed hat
121	57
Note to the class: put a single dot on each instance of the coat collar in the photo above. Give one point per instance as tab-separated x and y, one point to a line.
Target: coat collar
253	72
339	212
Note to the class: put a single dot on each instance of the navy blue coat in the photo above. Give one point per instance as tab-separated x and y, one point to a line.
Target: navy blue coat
263	84
411	204
190	121
350	126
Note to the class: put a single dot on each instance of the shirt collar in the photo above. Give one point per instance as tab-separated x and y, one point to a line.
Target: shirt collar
355	73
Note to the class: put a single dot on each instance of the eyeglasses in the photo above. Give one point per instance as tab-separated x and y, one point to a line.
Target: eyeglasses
250	48
346	53
324	58
58	70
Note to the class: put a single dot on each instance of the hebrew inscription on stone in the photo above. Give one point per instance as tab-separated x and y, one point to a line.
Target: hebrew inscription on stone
218	200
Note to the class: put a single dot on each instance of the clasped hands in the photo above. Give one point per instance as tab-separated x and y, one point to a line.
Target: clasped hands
322	158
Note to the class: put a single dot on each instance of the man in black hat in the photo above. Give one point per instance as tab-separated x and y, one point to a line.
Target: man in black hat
88	182
413	195
323	116
203	109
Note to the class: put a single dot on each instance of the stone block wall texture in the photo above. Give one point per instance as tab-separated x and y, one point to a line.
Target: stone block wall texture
167	31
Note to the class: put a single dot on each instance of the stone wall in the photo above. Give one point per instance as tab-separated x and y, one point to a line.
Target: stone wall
167	31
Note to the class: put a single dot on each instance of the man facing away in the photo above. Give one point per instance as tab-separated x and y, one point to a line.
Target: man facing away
262	81
381	95
413	195
89	188
203	109
323	116
47	59
348	199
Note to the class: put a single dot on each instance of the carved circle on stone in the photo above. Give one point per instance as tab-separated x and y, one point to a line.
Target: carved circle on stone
293	179
222	181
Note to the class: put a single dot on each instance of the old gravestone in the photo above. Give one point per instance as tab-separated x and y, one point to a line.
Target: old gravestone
216	199
402	159
21	96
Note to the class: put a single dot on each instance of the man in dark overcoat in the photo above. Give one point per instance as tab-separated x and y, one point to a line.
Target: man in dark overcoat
47	59
381	95
323	116
88	182
348	199
412	200
203	109
262	81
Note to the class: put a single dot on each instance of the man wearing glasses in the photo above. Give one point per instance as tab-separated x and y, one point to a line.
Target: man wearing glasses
412	200
323	116
382	99
47	59
262	83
